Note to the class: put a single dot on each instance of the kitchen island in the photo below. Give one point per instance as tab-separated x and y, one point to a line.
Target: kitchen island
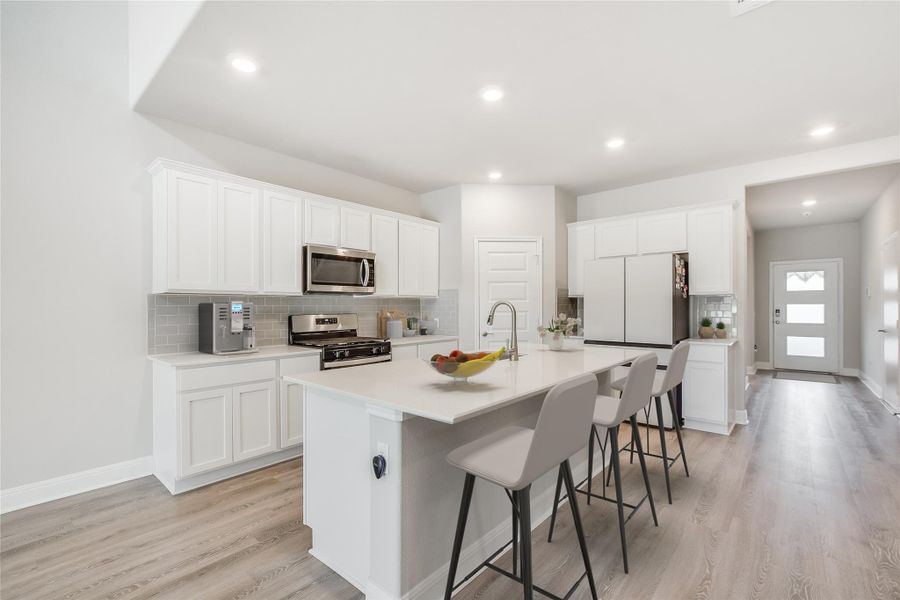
391	537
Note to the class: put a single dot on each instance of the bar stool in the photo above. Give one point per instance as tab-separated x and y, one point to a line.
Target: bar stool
665	384
513	458
609	412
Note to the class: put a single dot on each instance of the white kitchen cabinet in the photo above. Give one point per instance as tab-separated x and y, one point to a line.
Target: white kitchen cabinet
604	287
387	258
291	399
430	260
282	243
205	440
581	250
710	247
707	394
238	237
356	228
419	249
663	232
254	420
321	222
185	248
404	352
616	237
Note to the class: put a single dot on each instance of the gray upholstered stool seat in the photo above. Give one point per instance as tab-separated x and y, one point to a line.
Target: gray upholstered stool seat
514	458
498	457
605	412
658	382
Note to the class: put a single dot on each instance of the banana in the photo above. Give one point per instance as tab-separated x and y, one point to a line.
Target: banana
474	367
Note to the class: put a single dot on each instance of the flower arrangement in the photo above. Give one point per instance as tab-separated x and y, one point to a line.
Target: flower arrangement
561	327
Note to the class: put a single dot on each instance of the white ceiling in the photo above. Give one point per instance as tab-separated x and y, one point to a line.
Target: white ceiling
391	90
840	198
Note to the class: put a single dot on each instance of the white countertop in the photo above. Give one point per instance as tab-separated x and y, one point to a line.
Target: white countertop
411	386
202	359
715	341
422	339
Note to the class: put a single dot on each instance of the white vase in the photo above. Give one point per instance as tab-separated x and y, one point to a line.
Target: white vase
555	342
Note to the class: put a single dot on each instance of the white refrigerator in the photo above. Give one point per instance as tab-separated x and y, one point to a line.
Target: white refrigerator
639	300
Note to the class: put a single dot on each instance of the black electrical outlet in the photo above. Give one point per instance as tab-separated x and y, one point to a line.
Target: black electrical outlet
379	464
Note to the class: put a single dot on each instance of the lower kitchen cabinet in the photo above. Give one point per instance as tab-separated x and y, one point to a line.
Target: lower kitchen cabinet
205	431
709	387
291	398
254	424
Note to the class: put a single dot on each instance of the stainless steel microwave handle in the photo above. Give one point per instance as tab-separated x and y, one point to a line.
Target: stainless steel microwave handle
364	276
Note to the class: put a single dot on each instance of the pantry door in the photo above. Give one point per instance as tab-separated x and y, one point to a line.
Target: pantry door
806	317
509	270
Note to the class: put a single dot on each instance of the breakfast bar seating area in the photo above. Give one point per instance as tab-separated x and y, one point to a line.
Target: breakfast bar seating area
381	531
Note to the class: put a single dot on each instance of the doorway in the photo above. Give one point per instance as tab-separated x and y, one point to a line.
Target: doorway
509	269
806	315
889	302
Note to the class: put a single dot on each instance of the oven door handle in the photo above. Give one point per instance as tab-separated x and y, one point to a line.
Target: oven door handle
364	273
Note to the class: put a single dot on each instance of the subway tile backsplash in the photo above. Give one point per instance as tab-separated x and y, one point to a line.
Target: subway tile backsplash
173	321
715	308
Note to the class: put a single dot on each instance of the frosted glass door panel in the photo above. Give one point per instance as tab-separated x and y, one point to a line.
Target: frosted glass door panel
805	281
805	346
806	313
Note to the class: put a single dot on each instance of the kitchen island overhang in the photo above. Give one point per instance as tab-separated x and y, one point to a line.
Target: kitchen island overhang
391	537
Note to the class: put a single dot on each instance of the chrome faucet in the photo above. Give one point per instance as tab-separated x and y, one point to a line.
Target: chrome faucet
513	339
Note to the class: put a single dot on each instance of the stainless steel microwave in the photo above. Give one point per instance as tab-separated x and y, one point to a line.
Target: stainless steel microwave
338	271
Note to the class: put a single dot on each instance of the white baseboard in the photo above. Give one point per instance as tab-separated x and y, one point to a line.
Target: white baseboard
39	492
191	483
870	383
762	366
751	369
847	372
740	417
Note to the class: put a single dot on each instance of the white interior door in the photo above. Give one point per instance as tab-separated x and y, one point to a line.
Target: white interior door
806	315
509	270
889	300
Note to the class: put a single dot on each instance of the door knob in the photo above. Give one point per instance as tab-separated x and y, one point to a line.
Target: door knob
882	331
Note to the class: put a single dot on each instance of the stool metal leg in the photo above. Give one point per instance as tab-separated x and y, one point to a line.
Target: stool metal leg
636	439
614	458
579	529
671	395
590	463
460	531
559	481
523	499
662	443
515	539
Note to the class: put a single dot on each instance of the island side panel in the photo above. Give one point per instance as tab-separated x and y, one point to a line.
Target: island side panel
431	492
337	468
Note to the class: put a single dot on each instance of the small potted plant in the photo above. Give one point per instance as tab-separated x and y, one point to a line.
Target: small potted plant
706	329
721	333
559	329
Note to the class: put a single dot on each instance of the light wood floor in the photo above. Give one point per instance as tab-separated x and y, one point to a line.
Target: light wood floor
802	503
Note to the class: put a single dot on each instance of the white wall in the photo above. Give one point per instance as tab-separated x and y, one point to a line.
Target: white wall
445	206
839	240
881	220
566	212
76	235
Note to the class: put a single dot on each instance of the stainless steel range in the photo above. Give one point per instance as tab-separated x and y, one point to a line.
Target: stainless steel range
337	336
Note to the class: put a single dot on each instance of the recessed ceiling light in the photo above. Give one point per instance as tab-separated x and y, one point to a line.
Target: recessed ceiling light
495	175
244	65
809	202
821	130
491	94
806	213
615	143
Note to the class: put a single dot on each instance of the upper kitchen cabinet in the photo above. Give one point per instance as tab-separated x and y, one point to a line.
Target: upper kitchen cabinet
282	243
322	222
205	233
581	250
385	245
664	232
356	229
616	237
710	248
419	247
238	239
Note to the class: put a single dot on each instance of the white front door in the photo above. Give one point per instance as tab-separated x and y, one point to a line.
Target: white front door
509	270
889	300
806	315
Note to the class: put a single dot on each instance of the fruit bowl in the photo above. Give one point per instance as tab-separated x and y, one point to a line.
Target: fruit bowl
462	365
